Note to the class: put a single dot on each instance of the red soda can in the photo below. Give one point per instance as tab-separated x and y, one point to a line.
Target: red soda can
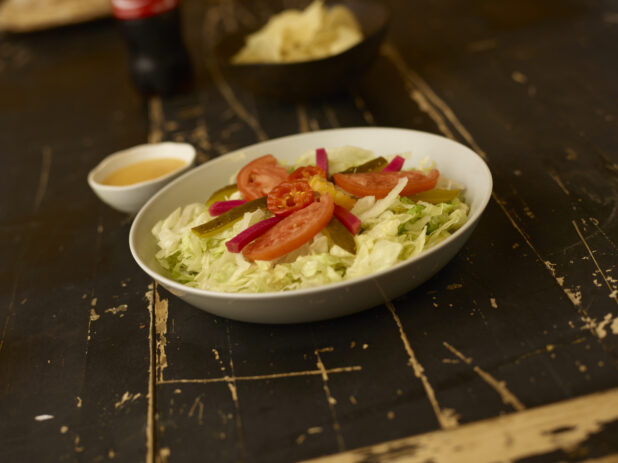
158	59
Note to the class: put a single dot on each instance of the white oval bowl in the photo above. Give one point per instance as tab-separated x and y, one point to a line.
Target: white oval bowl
454	160
131	198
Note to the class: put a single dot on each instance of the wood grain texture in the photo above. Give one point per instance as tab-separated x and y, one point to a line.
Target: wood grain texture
517	336
557	430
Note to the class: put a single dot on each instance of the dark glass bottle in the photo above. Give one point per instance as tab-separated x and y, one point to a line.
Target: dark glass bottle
158	59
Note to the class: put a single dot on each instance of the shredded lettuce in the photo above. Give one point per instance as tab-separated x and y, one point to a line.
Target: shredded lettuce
393	229
339	158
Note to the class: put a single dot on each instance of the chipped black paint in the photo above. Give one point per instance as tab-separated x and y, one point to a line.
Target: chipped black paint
526	300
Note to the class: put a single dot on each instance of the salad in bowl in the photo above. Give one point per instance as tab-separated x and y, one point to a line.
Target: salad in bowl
346	240
335	214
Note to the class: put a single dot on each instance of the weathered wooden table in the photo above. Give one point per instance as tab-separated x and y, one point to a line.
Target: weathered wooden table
509	353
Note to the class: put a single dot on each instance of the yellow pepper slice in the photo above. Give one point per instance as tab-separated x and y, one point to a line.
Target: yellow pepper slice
322	186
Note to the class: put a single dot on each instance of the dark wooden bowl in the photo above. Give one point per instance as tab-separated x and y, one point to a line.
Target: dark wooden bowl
315	78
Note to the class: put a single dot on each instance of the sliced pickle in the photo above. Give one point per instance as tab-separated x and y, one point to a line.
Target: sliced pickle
370	166
227	219
434	196
222	194
340	235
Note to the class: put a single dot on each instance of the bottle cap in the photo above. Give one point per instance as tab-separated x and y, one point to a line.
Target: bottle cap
138	9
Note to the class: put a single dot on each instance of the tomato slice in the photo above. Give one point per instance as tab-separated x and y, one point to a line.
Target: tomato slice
306	172
379	184
292	232
260	176
288	197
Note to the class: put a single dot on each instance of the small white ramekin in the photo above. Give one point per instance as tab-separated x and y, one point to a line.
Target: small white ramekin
131	198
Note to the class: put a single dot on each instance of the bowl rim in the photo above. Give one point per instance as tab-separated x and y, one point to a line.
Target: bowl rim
326	288
137	150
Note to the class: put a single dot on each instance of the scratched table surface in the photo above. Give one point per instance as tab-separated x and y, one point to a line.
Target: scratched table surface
509	353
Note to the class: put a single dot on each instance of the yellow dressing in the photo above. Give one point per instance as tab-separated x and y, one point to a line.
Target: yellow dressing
143	171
